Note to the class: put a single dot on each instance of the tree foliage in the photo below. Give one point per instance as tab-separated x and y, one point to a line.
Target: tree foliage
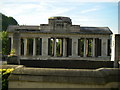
5	41
6	21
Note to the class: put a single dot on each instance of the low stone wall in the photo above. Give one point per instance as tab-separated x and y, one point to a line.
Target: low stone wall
24	77
11	66
70	64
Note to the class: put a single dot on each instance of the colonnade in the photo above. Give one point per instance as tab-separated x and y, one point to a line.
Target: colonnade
64	47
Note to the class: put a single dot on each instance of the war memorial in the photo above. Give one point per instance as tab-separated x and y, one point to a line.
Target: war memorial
68	56
40	42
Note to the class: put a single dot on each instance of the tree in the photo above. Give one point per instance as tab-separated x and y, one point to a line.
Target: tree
6	21
5	41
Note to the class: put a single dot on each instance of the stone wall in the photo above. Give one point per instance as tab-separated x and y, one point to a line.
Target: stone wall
73	64
115	50
24	77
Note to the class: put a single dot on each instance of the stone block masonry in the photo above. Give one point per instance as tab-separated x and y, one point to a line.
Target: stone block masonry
60	39
24	77
116	50
68	64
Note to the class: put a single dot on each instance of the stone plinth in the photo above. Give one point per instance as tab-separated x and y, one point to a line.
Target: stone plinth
13	60
64	78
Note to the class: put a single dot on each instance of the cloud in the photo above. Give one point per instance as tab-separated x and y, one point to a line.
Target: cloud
27	12
92	0
35	12
90	10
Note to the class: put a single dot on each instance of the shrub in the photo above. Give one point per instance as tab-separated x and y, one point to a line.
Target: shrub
4	73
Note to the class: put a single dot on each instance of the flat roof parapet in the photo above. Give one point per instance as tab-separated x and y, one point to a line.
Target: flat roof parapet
61	18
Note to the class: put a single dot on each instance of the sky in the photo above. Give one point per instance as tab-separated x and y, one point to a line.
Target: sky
93	13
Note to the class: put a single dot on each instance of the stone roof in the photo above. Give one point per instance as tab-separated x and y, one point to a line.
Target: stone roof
95	30
36	29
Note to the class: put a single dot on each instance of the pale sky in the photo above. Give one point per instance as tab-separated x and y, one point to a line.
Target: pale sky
94	13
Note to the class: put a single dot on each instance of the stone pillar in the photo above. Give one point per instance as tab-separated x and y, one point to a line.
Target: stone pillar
64	47
104	47
93	47
61	47
34	46
25	46
87	42
16	43
115	54
74	47
20	47
84	47
44	46
11	43
55	47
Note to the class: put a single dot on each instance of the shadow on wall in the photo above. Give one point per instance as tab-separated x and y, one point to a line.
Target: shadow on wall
70	64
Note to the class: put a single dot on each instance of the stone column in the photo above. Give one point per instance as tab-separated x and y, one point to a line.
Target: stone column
52	47
55	47
25	46
93	47
74	47
34	46
87	42
19	46
11	43
64	47
44	46
104	47
61	47
115	53
84	47
16	43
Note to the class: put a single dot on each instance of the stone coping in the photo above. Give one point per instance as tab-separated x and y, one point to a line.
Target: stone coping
11	66
99	76
101	72
84	76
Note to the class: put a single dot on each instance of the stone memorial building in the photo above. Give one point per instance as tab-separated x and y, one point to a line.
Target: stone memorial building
60	39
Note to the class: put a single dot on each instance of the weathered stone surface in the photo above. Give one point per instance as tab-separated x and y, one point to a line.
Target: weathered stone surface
59	27
39	85
68	63
13	60
40	76
11	66
116	49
